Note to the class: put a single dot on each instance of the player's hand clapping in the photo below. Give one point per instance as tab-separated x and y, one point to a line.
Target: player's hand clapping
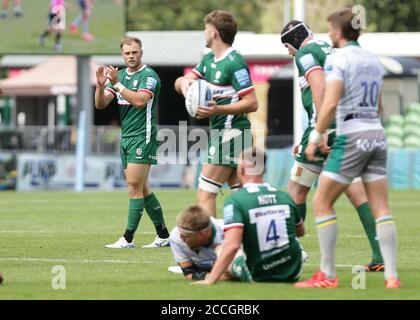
112	74
100	77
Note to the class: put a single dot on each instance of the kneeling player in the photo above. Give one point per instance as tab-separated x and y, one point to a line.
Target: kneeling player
196	243
265	221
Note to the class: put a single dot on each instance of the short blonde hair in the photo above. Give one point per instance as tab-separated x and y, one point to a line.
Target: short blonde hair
130	40
194	218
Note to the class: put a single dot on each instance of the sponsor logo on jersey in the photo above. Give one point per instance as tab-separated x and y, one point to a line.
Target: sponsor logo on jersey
151	84
276	263
307	61
242	76
122	101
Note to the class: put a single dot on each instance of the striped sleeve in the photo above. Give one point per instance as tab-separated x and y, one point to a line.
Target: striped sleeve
232	214
241	78
109	88
198	70
149	84
245	91
307	63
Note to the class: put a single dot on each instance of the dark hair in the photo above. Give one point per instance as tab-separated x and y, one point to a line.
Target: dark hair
225	24
343	19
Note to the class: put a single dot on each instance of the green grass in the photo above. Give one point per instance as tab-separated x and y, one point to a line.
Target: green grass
20	35
39	230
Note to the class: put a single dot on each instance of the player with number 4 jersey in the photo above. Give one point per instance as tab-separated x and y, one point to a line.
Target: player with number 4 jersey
265	221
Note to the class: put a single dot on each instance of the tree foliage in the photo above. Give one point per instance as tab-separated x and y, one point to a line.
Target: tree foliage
147	15
392	16
268	15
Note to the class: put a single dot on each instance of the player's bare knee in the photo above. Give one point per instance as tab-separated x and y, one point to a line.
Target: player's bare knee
134	190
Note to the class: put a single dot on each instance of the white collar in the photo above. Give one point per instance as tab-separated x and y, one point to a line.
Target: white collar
224	55
251	184
131	73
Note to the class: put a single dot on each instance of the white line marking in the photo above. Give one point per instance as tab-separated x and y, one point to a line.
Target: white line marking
68	232
109	261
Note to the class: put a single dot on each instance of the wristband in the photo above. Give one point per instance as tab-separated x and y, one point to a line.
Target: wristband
119	87
315	137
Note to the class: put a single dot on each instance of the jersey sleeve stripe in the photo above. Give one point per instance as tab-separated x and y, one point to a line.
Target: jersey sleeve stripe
147	91
245	91
111	91
197	73
233	226
312	69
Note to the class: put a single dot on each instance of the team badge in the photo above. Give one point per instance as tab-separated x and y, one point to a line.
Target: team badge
135	83
139	151
218	75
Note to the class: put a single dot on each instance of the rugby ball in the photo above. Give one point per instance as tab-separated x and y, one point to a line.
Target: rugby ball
199	93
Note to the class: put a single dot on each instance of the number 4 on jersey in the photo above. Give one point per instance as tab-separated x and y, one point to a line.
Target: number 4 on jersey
272	232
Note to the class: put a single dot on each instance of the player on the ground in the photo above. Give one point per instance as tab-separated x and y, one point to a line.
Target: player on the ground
135	91
310	56
17	10
56	23
354	79
265	221
83	19
227	72
196	243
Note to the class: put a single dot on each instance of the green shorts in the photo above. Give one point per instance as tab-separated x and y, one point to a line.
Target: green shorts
226	145
239	270
135	150
301	157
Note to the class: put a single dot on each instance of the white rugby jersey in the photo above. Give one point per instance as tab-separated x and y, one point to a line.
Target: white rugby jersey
204	254
362	75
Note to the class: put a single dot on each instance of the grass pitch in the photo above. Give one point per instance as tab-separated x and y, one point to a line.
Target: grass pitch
19	35
40	230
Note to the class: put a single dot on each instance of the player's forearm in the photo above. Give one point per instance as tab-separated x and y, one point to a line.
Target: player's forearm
326	117
222	263
318	97
332	97
240	107
100	101
178	84
136	99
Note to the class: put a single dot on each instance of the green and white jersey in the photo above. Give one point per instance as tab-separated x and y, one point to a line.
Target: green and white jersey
138	122
268	217
310	58
230	80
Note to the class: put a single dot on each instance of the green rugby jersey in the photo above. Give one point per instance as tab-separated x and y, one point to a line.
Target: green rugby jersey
138	122
230	79
268	217
310	58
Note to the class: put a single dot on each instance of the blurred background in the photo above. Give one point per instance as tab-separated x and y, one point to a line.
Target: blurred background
42	102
